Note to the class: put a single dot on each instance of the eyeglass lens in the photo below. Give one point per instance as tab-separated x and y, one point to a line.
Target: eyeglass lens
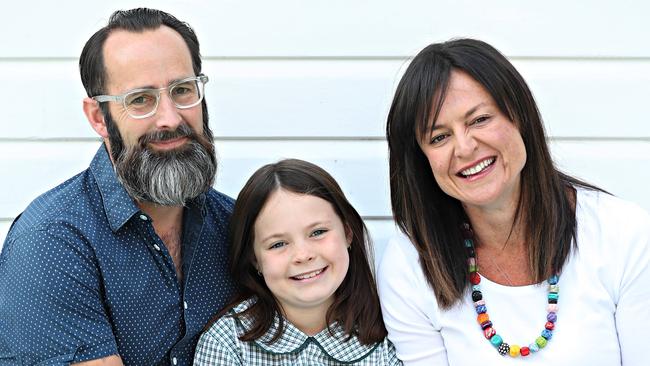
184	95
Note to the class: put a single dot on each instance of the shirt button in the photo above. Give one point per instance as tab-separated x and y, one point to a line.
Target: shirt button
185	305
174	360
143	217
157	247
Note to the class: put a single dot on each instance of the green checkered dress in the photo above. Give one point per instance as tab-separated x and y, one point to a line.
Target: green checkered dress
220	345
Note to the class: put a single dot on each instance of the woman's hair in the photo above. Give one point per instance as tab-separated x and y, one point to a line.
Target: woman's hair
429	217
360	318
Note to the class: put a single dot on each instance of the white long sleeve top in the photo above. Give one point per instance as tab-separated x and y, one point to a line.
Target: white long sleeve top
604	302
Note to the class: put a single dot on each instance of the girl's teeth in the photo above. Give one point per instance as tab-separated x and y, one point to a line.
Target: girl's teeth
309	275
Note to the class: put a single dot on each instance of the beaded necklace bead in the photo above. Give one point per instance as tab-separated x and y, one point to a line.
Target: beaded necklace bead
483	318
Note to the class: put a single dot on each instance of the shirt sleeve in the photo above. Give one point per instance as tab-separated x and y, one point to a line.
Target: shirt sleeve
217	346
51	299
633	307
408	305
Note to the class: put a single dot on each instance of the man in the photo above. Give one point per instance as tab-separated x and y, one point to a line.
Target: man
124	263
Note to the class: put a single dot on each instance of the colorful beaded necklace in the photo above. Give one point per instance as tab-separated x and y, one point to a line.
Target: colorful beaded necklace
484	320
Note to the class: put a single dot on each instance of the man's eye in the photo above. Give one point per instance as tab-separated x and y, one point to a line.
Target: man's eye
184	88
138	100
180	90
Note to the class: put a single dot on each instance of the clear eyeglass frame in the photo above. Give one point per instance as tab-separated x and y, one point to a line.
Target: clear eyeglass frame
200	81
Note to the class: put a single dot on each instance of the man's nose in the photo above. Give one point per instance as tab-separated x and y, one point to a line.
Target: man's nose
167	115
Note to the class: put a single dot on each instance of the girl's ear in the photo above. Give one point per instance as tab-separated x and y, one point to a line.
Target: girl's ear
257	267
348	235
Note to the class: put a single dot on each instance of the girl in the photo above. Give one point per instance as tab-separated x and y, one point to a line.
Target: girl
306	293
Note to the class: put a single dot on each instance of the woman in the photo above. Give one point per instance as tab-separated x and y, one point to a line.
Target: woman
492	230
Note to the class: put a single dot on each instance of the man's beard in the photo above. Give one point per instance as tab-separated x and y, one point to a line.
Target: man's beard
166	178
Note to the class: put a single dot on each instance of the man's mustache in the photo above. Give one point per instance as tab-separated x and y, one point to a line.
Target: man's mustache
183	130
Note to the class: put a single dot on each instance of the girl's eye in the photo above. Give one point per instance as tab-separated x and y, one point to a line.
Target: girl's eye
318	232
277	245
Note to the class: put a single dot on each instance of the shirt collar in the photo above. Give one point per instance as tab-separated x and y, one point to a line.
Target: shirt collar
118	205
335	345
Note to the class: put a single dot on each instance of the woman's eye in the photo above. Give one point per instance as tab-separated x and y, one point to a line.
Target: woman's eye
318	232
277	245
481	119
438	139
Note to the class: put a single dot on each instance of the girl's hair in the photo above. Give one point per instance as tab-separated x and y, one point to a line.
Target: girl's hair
360	318
432	219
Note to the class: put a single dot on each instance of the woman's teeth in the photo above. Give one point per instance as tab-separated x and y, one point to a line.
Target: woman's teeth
478	167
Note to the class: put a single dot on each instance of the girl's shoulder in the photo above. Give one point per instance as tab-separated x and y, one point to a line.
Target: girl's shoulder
226	327
220	344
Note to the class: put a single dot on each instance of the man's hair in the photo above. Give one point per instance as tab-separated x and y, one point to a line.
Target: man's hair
360	318
91	61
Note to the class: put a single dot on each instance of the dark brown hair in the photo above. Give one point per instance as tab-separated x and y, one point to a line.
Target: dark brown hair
360	318
432	219
93	70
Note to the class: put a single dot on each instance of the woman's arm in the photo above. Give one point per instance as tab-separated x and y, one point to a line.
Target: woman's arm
633	307
409	307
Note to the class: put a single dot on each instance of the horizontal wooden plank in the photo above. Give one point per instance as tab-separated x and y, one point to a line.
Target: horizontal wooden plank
380	231
292	28
620	168
4	227
359	166
325	98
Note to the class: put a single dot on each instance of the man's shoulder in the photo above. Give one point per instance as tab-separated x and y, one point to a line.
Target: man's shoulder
63	203
219	202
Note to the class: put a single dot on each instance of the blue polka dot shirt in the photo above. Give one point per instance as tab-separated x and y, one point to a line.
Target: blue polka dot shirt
83	275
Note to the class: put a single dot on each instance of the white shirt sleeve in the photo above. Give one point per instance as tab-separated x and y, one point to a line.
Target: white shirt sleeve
409	306
633	306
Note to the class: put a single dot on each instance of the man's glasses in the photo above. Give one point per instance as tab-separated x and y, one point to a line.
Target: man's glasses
143	103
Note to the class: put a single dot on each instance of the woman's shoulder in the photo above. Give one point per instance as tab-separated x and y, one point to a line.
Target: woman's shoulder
611	230
400	262
399	246
606	210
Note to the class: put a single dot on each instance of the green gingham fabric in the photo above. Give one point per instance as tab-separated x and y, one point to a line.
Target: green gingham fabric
220	345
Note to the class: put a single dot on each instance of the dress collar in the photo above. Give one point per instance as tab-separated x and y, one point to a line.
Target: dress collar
335	345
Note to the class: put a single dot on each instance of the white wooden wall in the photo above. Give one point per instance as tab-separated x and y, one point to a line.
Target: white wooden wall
314	79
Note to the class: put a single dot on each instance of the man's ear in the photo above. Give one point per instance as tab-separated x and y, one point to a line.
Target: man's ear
95	117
